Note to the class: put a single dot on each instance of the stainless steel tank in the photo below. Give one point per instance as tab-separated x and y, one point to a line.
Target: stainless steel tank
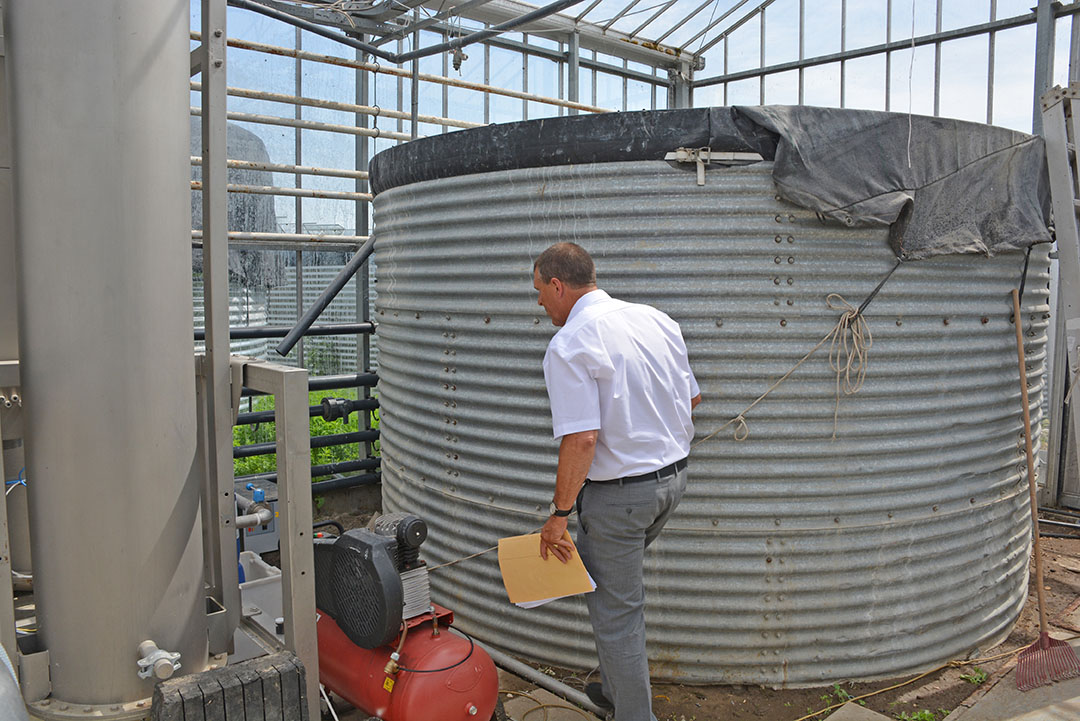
10	415
795	558
99	110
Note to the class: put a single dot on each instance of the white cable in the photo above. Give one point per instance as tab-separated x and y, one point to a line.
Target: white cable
711	16
326	698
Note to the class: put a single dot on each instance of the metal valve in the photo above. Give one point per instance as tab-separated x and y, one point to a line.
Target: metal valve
156	662
457	57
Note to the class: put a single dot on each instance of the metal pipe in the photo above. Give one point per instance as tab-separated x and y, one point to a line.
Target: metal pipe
340	484
307	124
326	383
344	107
293	192
1059	524
327	296
542	680
338	439
398	72
1070	514
326	469
400	58
260	517
312	241
280	331
284	168
323	524
248	419
314	28
480	35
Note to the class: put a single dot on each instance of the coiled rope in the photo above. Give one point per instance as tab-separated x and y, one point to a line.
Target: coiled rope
849	355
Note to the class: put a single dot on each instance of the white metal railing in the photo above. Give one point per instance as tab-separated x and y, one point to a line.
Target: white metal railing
310	125
291	169
344	107
400	72
289	241
294	192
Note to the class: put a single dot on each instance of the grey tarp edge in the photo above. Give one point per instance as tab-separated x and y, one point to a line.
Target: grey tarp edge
969	188
640	135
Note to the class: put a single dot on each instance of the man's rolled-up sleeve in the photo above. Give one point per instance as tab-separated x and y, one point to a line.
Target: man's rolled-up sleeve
573	394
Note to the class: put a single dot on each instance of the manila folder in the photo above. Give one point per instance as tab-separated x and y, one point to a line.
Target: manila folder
529	578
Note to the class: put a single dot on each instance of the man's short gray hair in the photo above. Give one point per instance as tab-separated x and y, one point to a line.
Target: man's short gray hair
568	262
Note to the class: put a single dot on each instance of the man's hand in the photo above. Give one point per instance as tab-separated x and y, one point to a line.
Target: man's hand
553	538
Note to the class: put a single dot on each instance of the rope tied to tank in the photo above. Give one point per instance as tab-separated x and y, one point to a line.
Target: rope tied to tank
849	356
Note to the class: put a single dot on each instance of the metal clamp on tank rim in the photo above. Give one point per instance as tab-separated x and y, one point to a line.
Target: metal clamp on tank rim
706	156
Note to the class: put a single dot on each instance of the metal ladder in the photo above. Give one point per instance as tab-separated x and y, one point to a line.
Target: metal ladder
1061	128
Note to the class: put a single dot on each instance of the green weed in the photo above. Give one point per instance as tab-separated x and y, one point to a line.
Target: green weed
976	676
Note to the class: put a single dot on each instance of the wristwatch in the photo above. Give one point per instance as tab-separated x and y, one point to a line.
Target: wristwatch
561	514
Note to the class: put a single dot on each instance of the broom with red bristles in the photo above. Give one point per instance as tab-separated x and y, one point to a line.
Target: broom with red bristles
1048	659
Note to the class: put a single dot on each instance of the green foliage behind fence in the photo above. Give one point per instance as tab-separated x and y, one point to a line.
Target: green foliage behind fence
264	433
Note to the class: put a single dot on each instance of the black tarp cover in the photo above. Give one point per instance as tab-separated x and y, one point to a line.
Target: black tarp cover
968	188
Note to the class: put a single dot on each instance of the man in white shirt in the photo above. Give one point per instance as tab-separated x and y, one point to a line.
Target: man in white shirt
621	393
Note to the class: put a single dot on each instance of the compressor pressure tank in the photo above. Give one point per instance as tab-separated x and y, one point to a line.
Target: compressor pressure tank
383	646
443	677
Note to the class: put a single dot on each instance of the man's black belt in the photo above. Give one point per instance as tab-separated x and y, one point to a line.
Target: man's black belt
669	470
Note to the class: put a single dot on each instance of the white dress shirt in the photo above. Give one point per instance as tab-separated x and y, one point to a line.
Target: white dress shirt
621	368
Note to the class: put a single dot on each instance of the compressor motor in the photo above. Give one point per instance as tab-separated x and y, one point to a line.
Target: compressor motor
383	645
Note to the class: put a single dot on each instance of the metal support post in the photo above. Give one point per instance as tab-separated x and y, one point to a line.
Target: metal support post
1074	50
298	211
414	88
573	64
290	389
363	289
1044	60
679	96
1053	477
221	511
937	61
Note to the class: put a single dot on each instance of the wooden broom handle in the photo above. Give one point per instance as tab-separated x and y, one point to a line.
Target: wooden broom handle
1032	489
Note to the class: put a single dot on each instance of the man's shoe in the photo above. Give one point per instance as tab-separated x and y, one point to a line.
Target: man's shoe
595	692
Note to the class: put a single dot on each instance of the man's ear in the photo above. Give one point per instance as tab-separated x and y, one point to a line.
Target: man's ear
558	287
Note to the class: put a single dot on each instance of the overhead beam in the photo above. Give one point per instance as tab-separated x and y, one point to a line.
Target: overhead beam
559	27
427	22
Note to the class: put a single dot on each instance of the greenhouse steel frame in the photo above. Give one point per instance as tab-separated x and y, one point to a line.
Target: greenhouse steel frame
583	52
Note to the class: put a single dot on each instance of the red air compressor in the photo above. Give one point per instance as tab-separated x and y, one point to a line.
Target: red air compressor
383	646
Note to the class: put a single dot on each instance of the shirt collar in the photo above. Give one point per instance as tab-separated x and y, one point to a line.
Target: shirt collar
591	298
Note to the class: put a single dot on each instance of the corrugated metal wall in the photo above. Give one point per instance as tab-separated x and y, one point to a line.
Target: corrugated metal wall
794	558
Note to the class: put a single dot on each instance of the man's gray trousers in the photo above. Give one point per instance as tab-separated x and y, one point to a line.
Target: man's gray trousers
617	522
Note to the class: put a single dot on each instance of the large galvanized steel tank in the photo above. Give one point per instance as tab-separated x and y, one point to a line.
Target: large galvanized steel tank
795	558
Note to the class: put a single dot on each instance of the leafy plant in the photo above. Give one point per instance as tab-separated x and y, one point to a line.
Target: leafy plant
922	715
836	695
976	676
